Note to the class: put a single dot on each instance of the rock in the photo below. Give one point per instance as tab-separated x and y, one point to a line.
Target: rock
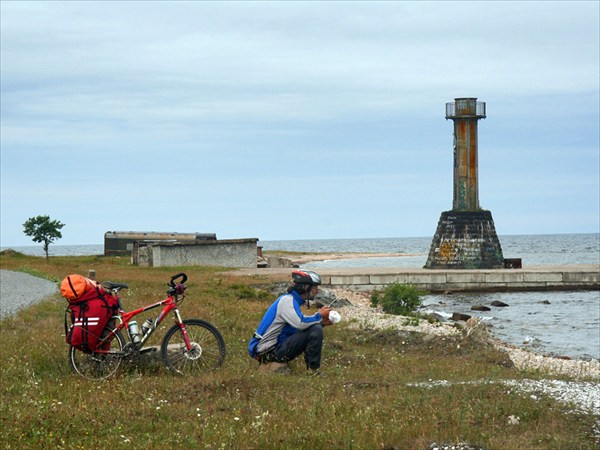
473	322
459	316
261	262
327	298
513	420
480	308
478	331
498	303
277	262
545	302
437	317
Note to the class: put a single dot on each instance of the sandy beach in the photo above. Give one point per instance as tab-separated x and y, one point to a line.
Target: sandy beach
304	258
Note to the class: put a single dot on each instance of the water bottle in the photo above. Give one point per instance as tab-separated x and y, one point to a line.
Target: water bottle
134	332
146	326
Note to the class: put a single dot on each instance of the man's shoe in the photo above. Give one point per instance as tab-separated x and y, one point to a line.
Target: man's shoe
314	372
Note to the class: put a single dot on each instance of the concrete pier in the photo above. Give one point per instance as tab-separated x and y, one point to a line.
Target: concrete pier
541	278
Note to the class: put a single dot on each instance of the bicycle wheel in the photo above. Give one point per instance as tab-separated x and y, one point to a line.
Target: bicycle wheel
98	365
208	348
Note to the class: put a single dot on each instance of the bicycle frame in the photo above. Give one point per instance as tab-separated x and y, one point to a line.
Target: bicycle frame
189	346
124	317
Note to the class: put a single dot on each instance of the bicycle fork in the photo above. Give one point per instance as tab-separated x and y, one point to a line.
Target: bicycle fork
182	327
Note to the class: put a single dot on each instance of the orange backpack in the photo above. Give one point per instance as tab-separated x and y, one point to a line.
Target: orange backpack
77	288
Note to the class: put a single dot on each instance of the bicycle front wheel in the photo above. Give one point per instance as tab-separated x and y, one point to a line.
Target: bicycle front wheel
207	352
98	365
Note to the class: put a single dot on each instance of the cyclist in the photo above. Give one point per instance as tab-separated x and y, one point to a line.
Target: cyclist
284	333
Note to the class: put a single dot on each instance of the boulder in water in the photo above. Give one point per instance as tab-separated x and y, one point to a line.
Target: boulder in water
498	303
480	308
460	316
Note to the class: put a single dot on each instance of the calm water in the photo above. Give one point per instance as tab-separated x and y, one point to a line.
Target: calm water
568	325
555	323
534	250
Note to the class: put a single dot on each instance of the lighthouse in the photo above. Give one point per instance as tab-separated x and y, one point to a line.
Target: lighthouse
465	237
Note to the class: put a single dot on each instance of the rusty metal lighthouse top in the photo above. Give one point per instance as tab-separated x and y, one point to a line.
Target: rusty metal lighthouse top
465	112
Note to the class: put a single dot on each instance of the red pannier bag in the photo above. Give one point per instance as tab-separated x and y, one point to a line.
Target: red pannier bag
90	309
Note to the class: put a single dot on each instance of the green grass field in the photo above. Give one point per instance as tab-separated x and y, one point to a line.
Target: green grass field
365	399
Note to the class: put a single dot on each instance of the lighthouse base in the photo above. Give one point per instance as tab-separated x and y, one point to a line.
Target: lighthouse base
465	240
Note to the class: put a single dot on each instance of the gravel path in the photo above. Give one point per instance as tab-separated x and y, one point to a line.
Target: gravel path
18	289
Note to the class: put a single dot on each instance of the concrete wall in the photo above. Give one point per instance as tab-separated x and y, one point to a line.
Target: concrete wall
469	280
224	253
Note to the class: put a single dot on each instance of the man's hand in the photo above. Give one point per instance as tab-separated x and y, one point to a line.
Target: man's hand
326	322
324	311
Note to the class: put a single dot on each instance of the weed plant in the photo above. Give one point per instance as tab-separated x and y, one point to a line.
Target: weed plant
397	298
374	393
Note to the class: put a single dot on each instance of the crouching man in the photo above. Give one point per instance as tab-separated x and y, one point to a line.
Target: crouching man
284	333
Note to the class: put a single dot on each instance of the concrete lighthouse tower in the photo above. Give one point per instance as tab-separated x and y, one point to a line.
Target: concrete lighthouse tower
465	237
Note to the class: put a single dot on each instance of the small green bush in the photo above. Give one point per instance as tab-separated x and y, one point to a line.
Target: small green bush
399	299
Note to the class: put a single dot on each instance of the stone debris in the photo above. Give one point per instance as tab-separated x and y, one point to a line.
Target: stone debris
525	359
460	446
583	395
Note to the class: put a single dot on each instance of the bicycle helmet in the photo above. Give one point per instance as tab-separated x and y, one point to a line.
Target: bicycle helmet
306	277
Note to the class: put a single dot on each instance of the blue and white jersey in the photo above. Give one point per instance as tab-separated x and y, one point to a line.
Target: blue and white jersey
282	319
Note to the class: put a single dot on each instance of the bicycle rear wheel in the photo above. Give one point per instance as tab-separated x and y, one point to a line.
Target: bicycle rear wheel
207	352
98	365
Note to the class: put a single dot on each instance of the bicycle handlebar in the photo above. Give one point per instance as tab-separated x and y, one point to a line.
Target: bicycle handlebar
183	277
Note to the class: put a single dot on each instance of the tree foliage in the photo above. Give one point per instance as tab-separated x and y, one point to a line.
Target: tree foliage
42	229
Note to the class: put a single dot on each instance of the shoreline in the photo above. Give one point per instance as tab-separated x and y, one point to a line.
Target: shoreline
360	312
308	257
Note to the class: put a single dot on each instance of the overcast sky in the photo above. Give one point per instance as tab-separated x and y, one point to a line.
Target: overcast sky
294	120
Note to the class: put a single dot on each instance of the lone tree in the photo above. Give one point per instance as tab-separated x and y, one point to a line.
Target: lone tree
42	229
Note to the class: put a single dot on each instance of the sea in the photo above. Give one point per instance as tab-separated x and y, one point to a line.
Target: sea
555	323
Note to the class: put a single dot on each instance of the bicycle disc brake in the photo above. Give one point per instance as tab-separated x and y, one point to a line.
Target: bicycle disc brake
194	353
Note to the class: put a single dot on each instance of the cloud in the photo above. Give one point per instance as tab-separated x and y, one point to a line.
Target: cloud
232	107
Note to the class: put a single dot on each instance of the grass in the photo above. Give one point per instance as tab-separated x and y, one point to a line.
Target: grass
365	400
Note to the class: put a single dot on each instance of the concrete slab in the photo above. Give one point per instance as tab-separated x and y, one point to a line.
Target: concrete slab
427	278
544	277
348	280
465	277
504	277
388	279
371	278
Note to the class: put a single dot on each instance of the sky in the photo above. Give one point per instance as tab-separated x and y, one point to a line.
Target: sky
294	120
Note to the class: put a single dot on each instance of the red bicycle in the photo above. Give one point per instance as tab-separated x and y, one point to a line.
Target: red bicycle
190	346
